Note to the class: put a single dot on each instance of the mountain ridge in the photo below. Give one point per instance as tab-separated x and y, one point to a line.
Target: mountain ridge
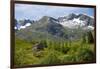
72	20
49	27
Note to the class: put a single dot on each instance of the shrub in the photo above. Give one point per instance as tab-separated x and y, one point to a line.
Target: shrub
51	58
85	55
90	37
68	58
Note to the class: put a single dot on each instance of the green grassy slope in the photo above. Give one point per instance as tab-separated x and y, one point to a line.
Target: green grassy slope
56	52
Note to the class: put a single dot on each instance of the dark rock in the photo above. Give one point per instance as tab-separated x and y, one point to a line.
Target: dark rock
38	47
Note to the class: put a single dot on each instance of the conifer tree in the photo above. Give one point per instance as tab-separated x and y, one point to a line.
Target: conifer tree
90	37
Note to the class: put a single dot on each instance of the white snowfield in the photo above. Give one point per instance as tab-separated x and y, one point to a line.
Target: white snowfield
89	27
15	27
76	22
26	25
23	27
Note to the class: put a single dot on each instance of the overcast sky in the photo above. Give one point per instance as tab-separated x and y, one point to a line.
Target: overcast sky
35	12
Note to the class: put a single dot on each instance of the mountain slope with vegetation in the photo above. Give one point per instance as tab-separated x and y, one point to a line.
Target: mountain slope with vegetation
46	41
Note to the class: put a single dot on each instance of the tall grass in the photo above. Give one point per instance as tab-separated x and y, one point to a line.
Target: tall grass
55	52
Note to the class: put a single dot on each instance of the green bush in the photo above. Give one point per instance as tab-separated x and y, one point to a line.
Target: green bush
24	53
51	58
85	55
68	58
90	37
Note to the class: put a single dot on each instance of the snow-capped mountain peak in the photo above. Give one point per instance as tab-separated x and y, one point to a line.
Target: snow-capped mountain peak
22	24
71	21
75	21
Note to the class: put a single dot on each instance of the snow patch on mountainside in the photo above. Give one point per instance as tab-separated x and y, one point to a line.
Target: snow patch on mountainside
90	27
76	22
23	27
26	25
15	27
